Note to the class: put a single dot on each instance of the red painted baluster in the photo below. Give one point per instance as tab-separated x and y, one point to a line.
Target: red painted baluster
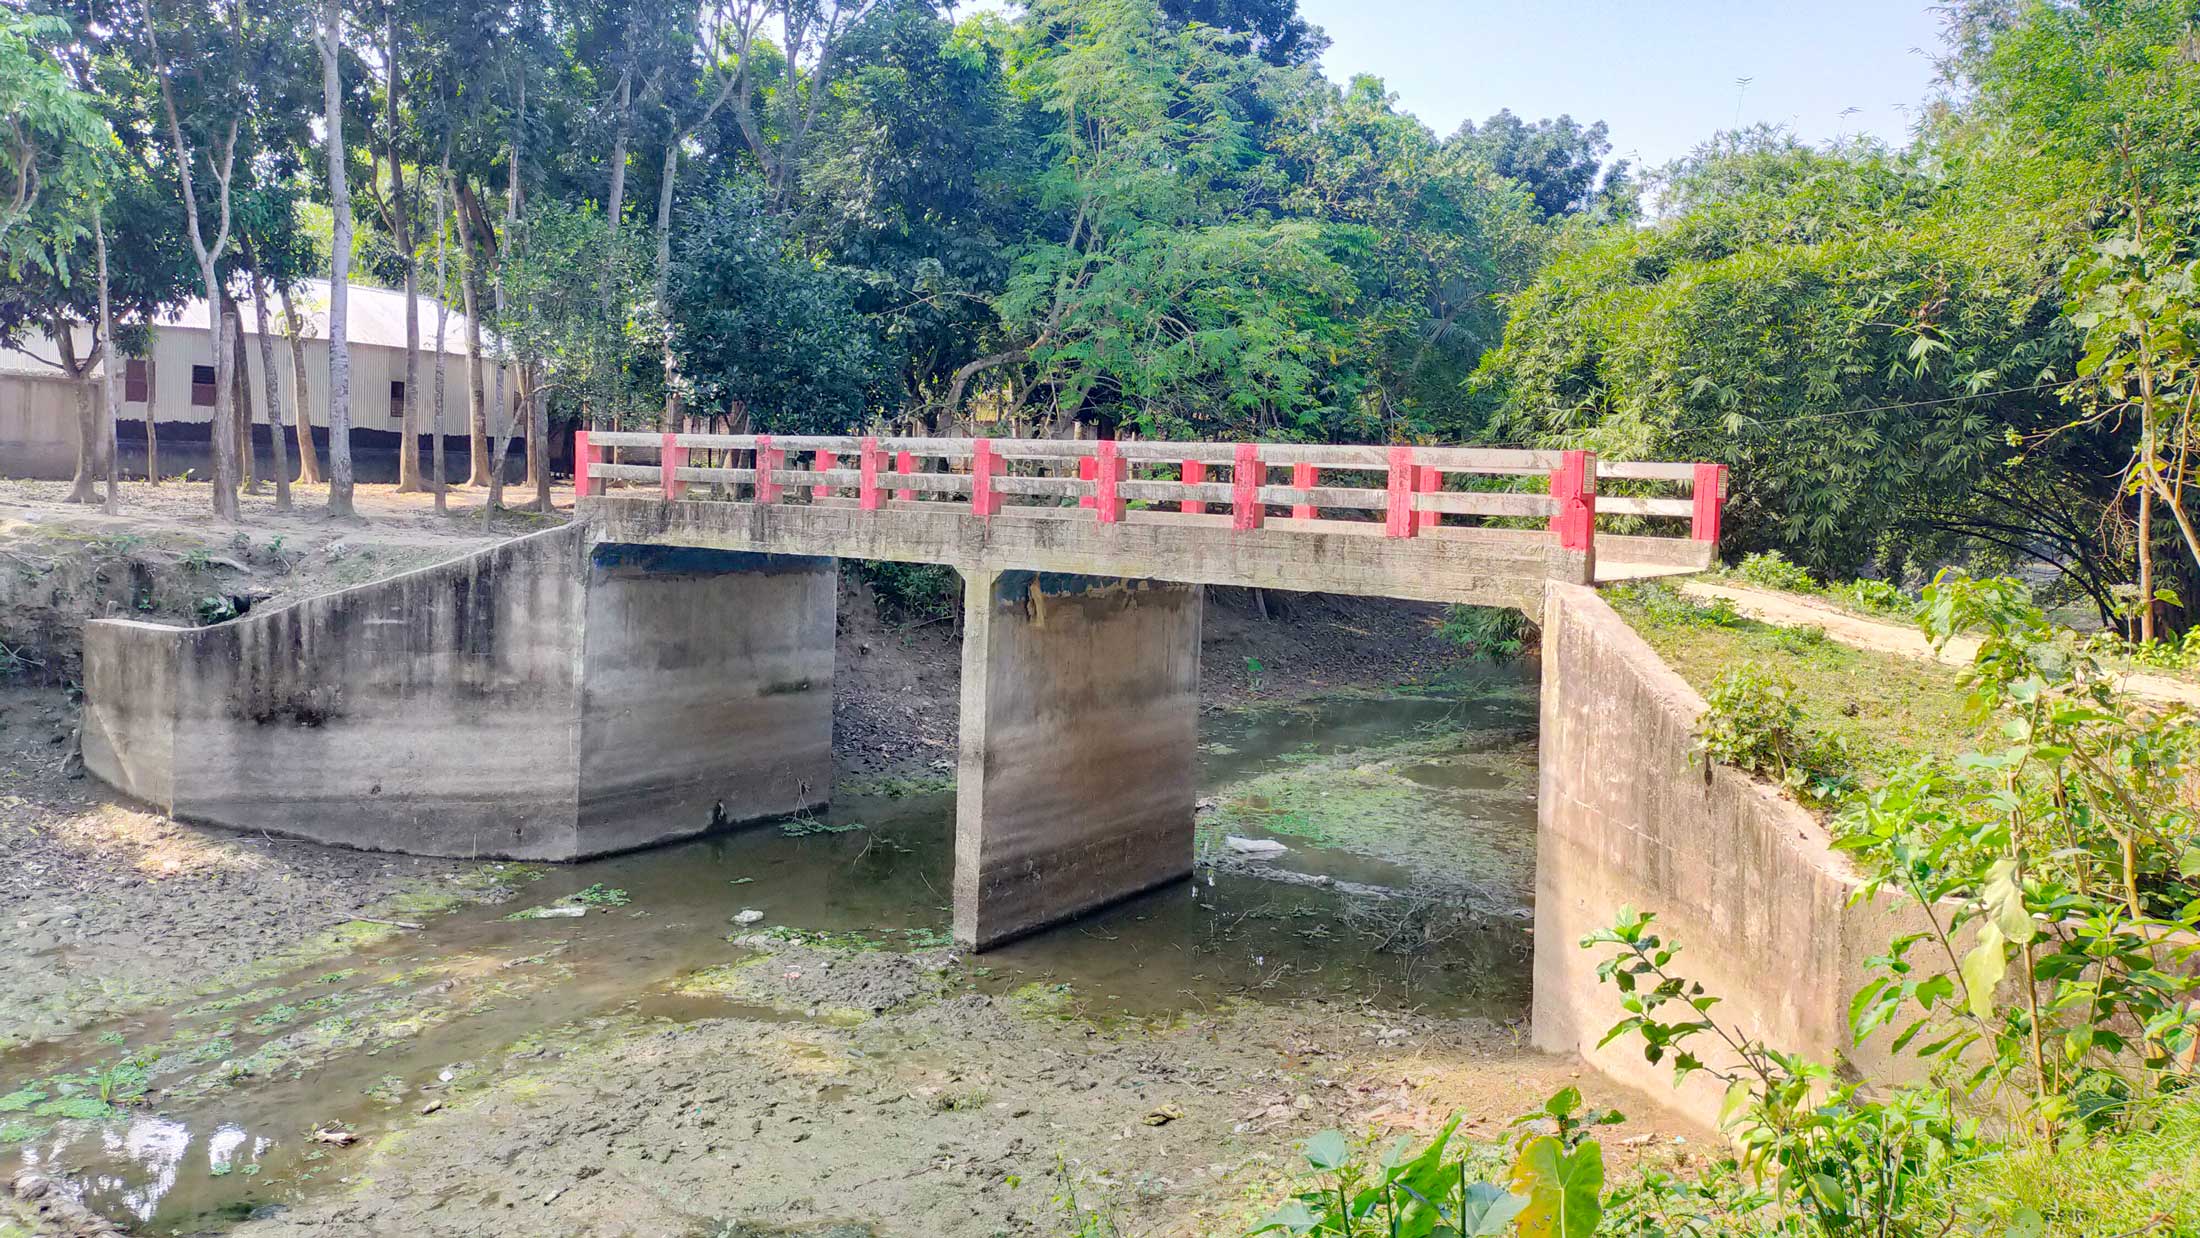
1110	471
1573	485
769	459
869	497
1195	473
1305	477
1398	514
1246	475
671	458
583	456
827	461
1428	481
985	465
1087	470
1710	496
904	464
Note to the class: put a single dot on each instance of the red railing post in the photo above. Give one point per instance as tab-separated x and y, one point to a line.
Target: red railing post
905	463
1573	484
826	462
671	458
1710	496
1305	477
869	497
583	456
1195	474
1428	481
1246	475
1088	470
1398	514
985	465
1110	471
768	461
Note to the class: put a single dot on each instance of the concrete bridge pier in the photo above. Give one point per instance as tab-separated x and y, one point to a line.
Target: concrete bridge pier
1080	741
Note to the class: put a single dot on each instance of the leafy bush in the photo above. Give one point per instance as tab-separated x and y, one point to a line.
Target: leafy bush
1876	596
911	592
1771	569
1755	724
1487	633
1555	1184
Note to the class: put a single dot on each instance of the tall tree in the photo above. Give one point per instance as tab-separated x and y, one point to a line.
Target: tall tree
329	38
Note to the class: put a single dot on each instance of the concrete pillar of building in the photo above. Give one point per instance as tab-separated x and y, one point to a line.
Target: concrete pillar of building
1080	704
706	691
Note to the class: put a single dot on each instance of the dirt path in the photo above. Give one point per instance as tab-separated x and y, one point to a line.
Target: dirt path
1787	610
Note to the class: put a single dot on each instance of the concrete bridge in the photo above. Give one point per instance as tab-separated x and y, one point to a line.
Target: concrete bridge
663	665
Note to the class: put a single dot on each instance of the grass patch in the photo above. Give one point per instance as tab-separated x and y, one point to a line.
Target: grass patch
2139	1182
1888	708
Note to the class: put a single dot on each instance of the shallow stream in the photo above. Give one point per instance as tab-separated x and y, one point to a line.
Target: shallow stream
1409	823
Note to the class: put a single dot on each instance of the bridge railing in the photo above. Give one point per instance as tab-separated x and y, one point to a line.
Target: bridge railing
1407	490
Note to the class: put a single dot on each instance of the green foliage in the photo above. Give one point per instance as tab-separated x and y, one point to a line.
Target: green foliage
1771	569
1755	724
911	592
759	327
2065	862
1487	633
599	895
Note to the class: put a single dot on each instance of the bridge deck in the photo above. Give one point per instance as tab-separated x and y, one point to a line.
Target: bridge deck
1400	540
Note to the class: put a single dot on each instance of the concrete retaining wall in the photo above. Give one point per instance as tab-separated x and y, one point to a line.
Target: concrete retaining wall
1743	878
468	709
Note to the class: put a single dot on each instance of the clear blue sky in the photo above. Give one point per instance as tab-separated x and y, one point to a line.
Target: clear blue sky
1661	73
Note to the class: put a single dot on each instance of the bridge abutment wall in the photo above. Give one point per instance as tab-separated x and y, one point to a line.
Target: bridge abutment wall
1079	762
490	706
1744	879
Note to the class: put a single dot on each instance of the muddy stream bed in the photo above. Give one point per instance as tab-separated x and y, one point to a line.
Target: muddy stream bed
1409	823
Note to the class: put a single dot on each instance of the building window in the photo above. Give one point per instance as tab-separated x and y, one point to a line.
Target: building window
136	384
202	386
397	400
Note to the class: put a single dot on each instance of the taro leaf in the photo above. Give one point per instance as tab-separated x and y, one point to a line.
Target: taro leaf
1563	1188
1293	1218
1327	1151
1983	969
1488	1210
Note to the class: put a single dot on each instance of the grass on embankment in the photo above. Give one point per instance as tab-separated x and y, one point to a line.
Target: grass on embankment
1890	709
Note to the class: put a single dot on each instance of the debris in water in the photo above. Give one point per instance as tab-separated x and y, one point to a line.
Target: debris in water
335	1136
430	1107
749	916
1254	848
549	913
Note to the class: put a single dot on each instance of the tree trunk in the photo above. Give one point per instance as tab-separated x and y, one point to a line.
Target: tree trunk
152	435
538	453
275	442
442	321
408	420
309	460
339	309
248	455
477	396
109	422
88	464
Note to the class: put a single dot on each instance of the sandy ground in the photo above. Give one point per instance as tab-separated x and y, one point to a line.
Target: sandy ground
1787	610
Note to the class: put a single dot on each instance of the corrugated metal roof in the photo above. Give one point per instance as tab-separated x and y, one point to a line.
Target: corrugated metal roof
374	316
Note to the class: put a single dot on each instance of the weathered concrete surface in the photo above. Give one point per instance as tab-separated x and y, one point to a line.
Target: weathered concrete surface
706	691
1080	744
1743	878
1484	567
468	709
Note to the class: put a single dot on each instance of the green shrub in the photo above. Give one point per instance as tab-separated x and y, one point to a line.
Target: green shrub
911	592
1755	724
1877	597
1487	633
1772	570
